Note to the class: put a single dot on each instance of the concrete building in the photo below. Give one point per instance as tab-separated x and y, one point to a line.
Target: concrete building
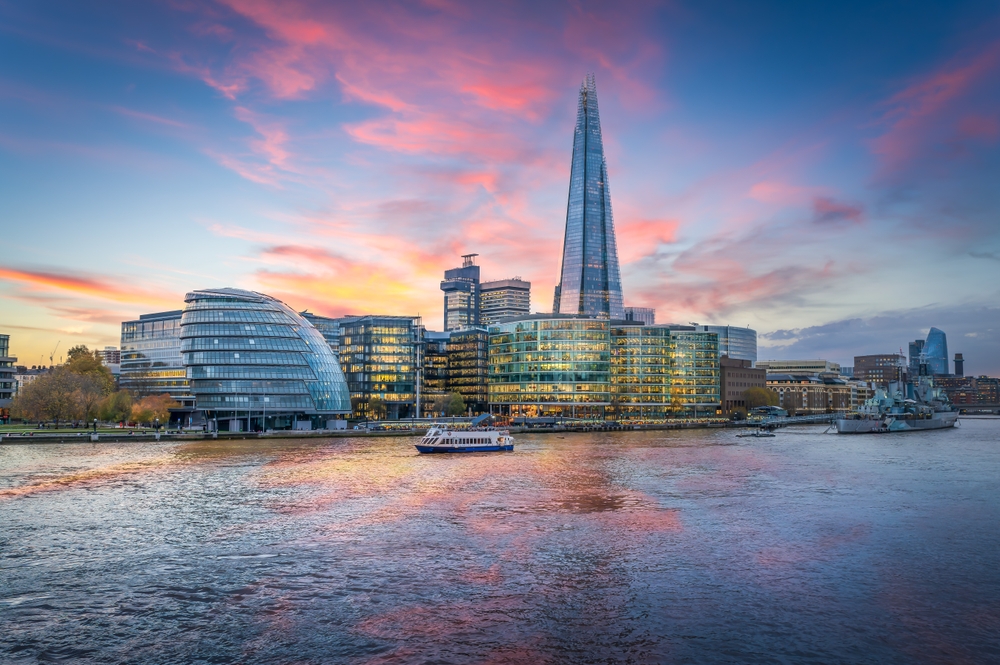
735	342
644	315
255	364
971	390
799	366
462	295
503	299
959	365
881	369
807	394
738	375
151	361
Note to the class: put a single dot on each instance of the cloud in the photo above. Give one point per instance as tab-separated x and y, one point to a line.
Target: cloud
828	211
88	285
969	329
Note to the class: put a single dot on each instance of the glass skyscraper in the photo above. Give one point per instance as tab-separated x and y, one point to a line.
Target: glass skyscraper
151	361
737	343
590	281
935	352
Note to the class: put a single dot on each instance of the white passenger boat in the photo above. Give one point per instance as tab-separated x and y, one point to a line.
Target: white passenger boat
441	439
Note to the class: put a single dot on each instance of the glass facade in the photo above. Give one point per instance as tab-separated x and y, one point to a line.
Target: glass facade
151	361
594	368
590	279
737	343
461	295
327	327
551	367
255	364
468	366
935	352
644	315
434	381
380	356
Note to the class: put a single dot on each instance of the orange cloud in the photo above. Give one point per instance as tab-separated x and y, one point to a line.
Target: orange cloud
103	288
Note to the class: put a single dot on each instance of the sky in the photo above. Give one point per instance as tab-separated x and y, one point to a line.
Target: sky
825	173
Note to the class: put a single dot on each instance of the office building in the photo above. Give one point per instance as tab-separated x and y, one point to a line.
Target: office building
916	347
799	366
735	342
737	376
504	299
550	365
255	364
109	355
380	356
971	390
468	367
959	365
881	369
434	370
590	280
935	352
461	295
8	385
644	315
329	328
150	355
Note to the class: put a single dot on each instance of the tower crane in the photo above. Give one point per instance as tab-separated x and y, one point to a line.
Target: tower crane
52	355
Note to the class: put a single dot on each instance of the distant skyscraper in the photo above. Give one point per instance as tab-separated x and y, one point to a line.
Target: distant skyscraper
737	343
590	281
461	295
936	352
504	299
646	315
916	347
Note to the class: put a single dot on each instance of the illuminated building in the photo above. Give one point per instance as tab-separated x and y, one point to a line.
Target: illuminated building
880	369
380	356
467	367
7	382
151	361
644	315
589	281
935	352
254	363
585	367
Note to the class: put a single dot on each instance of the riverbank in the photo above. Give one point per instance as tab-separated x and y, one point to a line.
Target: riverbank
36	436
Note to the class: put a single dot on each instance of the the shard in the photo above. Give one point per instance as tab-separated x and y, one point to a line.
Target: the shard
590	282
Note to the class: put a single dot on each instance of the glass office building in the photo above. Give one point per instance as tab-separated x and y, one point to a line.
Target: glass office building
434	379
329	328
380	356
461	295
550	365
737	343
935	352
590	280
468	367
504	299
255	364
151	361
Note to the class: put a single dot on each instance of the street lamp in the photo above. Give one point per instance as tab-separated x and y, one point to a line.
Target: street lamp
95	425
156	424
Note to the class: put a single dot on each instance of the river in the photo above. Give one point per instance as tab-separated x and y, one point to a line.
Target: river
684	547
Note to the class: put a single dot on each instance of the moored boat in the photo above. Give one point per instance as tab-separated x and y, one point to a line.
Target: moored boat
444	440
890	411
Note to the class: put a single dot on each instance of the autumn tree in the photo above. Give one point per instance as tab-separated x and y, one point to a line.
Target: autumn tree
152	408
376	406
60	395
757	396
116	407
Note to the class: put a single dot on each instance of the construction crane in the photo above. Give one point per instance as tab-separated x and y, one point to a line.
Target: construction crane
52	355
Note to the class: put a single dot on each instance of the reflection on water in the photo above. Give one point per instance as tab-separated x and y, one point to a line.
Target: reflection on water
629	547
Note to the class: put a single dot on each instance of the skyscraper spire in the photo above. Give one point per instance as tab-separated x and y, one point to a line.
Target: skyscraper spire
590	281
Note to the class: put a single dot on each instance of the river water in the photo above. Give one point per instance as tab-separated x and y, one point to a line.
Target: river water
685	547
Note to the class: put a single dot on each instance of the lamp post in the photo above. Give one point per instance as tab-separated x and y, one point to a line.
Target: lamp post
95	425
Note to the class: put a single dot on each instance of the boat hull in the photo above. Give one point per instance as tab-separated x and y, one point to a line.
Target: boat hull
941	420
465	449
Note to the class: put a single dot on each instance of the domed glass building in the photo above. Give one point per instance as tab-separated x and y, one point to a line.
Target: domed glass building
254	363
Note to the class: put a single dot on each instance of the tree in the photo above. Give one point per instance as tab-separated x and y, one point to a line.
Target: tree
441	404
376	405
83	362
152	408
756	396
456	405
116	407
60	395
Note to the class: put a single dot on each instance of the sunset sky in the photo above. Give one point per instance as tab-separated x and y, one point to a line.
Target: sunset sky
829	177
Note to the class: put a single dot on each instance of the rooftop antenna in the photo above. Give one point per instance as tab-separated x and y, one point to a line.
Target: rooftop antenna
468	260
